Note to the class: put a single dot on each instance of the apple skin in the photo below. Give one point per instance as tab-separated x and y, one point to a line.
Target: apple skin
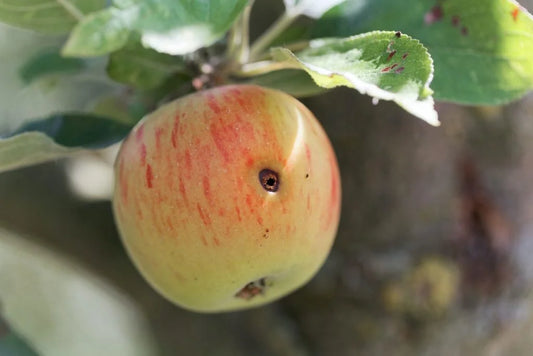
193	213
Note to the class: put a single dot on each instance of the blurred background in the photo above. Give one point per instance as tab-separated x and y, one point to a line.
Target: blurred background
432	255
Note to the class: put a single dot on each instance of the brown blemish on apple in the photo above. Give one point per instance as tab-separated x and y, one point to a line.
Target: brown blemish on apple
252	289
149	176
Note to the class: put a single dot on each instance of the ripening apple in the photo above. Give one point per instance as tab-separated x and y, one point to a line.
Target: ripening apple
227	198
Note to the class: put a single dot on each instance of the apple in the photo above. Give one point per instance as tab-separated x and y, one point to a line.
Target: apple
227	198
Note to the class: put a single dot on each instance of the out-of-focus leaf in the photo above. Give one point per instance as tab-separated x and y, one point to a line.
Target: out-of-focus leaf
47	16
385	65
49	62
45	94
481	48
58	136
311	8
142	67
28	149
62	309
79	130
99	33
294	82
12	344
168	26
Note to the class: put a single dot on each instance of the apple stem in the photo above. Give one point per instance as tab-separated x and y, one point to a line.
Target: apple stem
262	67
238	48
276	29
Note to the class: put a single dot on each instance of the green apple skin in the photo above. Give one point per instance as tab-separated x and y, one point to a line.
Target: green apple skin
194	215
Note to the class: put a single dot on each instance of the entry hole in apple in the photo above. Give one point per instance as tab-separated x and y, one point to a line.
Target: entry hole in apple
252	289
269	180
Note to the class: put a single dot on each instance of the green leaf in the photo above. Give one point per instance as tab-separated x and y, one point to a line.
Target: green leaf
385	65
56	137
47	16
12	344
168	26
481	48
142	67
49	62
79	130
311	8
294	82
99	33
51	302
28	149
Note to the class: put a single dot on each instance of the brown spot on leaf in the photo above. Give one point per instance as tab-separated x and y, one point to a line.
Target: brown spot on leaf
455	20
433	15
399	70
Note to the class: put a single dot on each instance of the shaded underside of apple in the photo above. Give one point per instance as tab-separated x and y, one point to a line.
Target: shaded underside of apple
227	198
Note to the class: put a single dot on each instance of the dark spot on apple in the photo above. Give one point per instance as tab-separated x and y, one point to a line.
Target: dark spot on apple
306	175
252	289
398	34
269	180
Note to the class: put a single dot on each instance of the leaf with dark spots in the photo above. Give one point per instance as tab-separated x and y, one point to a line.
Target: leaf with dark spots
478	48
361	62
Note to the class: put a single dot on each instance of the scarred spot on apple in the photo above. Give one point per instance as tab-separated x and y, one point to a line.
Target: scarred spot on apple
228	198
